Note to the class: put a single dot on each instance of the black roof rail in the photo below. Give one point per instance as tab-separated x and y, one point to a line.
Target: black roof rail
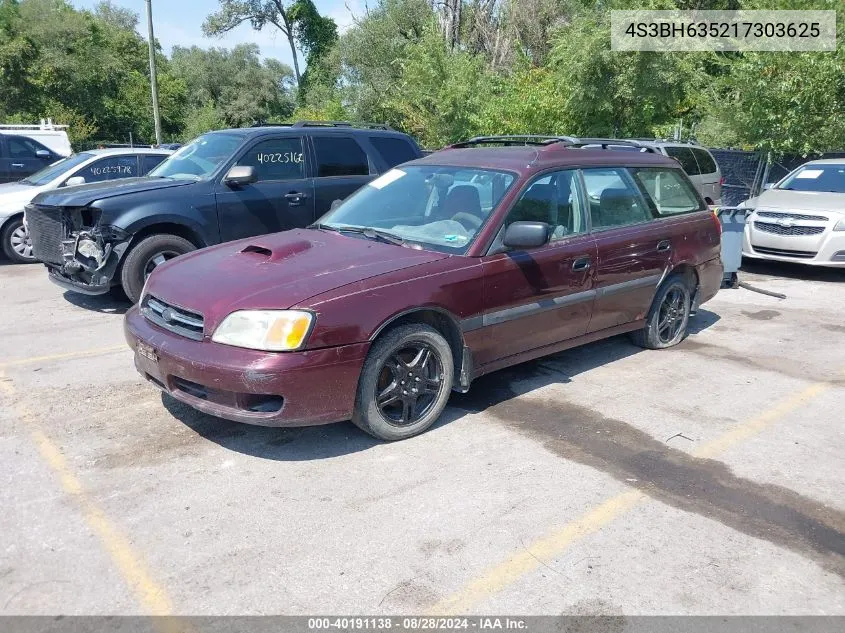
265	124
370	126
512	139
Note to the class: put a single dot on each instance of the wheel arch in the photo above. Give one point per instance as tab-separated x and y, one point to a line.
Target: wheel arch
8	218
169	228
444	322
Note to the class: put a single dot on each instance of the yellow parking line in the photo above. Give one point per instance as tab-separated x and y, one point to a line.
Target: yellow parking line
130	565
552	545
97	351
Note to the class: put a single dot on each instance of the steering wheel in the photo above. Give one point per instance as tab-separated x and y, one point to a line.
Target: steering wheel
468	220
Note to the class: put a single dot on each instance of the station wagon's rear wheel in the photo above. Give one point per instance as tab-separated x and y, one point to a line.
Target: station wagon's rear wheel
668	317
405	382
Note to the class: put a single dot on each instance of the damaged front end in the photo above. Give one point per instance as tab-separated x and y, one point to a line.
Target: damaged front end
87	254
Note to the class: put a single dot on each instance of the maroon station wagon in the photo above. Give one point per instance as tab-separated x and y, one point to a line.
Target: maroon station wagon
446	268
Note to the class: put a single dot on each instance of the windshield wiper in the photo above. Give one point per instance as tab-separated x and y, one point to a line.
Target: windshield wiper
373	234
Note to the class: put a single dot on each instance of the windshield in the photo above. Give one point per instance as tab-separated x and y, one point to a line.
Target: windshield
51	172
825	178
199	158
440	207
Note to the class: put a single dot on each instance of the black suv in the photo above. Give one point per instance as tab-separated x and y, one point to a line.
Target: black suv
222	186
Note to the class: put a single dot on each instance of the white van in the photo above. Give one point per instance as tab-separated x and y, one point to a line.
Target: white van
53	137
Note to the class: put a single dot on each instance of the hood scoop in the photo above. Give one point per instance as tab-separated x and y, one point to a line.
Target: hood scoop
280	252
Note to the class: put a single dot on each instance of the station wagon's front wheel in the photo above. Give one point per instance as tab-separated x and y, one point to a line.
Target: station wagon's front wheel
405	382
668	317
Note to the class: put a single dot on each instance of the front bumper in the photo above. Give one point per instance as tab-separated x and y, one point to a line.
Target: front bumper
250	386
68	283
824	249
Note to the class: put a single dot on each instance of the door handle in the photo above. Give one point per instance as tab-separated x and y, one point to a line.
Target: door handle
582	263
295	197
17	164
664	245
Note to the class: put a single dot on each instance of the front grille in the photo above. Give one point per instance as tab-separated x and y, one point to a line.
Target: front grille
173	318
777	229
782	252
47	231
791	216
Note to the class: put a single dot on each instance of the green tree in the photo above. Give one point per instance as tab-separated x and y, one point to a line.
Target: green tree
236	83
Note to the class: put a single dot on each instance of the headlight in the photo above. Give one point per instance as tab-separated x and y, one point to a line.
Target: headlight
270	330
840	226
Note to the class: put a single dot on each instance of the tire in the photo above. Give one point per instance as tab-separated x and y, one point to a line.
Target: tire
145	256
17	246
385	417
668	318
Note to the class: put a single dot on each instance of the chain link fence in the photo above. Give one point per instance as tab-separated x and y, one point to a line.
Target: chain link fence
746	172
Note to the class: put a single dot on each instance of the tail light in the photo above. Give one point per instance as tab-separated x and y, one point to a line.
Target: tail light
722	181
717	220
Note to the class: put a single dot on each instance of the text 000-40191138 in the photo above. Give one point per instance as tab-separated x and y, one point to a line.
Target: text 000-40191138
677	31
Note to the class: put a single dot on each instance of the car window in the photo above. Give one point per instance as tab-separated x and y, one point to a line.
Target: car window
685	157
57	169
554	199
22	147
439	206
817	177
150	162
393	150
110	168
614	199
706	163
668	190
276	159
200	158
340	156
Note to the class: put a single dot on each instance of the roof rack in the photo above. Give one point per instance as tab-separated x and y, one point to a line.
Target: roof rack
300	124
370	126
46	124
510	140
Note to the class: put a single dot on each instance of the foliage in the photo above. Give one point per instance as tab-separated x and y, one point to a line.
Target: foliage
235	83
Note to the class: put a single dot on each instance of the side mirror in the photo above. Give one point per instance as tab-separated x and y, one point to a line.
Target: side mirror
43	154
769	185
522	235
335	204
75	180
240	175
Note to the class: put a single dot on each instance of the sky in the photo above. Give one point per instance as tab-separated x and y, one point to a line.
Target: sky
179	23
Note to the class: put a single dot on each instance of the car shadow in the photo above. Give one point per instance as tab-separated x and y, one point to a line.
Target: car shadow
333	440
106	303
768	268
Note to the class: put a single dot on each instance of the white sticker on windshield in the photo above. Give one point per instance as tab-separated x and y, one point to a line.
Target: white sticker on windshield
386	179
810	173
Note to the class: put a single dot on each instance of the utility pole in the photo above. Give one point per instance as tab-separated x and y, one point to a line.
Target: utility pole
153	81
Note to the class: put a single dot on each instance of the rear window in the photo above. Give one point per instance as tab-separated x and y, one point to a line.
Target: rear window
685	157
340	156
705	161
393	150
667	190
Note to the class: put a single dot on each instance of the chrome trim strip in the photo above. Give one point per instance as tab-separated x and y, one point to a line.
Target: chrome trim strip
625	286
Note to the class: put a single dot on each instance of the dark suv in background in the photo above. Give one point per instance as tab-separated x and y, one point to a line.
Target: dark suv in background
222	186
